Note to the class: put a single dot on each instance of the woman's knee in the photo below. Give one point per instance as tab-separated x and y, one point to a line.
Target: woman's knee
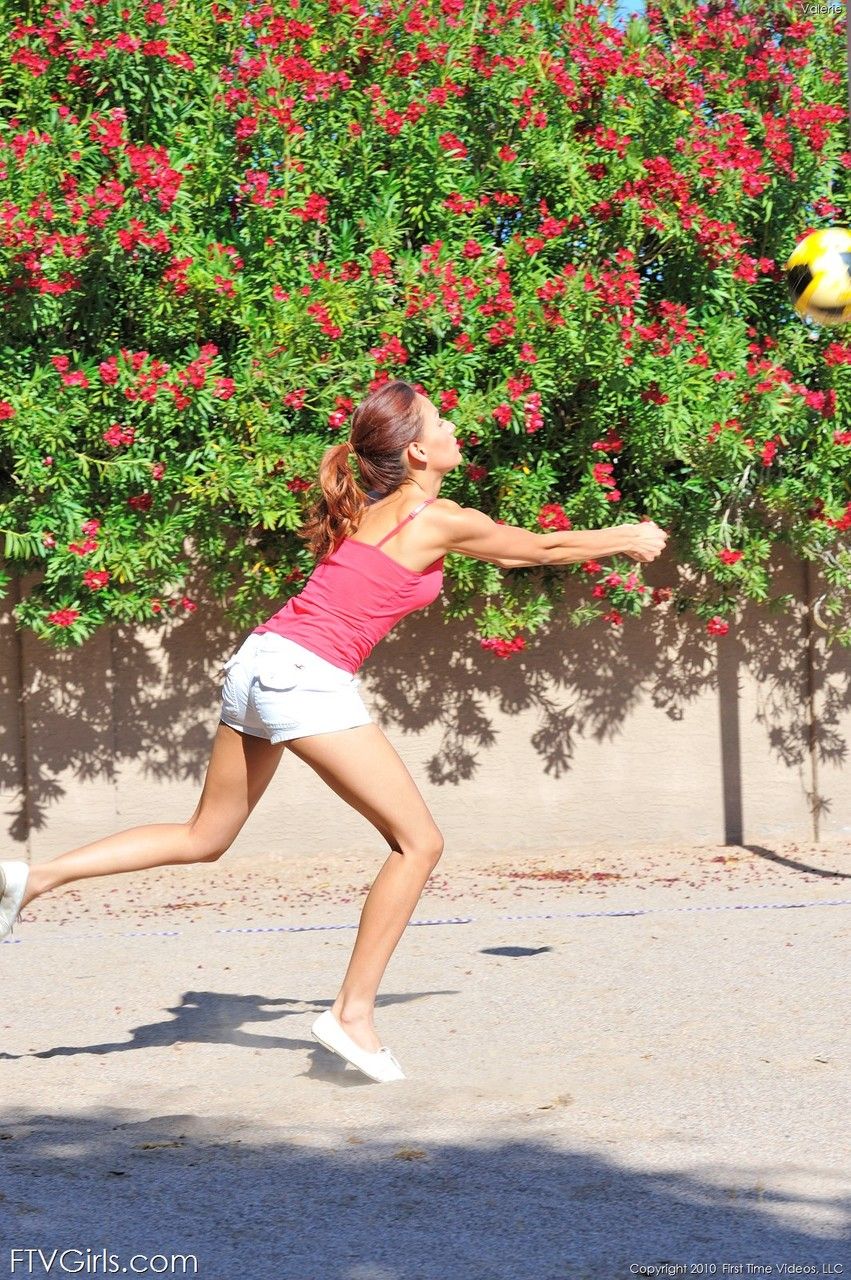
211	855
427	848
201	846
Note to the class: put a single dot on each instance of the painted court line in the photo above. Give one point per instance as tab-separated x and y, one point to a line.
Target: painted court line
549	915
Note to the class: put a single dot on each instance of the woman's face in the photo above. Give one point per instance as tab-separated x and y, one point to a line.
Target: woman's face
438	437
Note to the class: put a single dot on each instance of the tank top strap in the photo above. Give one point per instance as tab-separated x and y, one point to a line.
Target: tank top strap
409	516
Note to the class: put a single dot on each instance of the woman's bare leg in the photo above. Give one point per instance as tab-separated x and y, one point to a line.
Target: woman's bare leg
131	850
388	907
363	767
241	766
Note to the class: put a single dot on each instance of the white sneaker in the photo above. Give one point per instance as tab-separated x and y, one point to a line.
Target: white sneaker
13	882
381	1065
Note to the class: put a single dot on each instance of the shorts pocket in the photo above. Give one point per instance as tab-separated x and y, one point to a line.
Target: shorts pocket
277	671
276	678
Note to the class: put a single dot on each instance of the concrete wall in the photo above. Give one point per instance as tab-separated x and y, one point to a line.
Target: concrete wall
646	733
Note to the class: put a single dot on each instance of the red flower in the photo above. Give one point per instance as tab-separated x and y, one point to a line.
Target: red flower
450	143
769	449
552	516
63	617
117	435
503	648
82	549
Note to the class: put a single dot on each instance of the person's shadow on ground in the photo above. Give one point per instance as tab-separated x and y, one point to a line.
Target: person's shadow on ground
212	1016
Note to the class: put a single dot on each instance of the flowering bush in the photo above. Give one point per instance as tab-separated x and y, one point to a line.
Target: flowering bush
224	225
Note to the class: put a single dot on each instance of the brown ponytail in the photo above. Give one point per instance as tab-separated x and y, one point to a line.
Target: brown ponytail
383	425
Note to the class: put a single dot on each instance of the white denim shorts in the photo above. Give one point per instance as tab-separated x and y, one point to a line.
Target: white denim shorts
277	689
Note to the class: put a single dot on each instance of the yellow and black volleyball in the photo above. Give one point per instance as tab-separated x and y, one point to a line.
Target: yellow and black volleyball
819	276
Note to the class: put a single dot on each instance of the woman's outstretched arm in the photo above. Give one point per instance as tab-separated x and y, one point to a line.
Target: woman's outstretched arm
470	532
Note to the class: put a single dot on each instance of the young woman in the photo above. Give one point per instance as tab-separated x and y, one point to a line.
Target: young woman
293	684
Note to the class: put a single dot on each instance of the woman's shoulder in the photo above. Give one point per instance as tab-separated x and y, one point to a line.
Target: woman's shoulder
441	520
445	504
443	511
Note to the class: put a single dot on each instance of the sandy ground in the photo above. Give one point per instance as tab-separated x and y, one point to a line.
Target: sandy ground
619	1063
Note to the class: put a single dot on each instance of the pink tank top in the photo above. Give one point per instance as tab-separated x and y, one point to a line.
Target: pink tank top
353	597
